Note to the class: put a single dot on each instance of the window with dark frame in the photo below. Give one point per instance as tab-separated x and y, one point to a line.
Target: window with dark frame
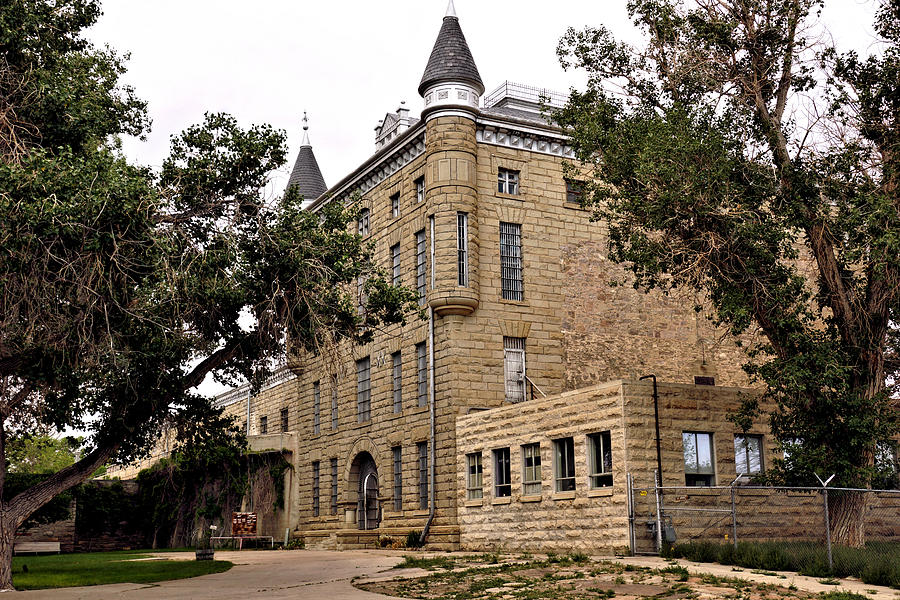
502	478
511	261
574	191
474	481
362	224
263	425
564	464
397	453
421	375
420	190
396	267
397	380
748	455
507	181
334	486
599	460
421	249
531	469
699	459
363	390
315	488
316	407
395	205
285	420
462	249
422	450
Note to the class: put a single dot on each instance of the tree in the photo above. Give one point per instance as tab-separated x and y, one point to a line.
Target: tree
121	288
737	156
40	453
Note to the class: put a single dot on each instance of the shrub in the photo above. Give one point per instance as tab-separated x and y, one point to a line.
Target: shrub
414	539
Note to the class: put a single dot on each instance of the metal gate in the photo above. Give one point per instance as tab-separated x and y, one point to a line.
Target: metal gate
643	518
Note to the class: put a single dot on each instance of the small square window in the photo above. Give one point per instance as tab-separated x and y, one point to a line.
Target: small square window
474	482
564	464
600	460
531	469
502	481
699	462
395	205
748	459
507	181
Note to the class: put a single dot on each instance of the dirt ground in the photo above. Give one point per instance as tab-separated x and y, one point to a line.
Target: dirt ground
522	577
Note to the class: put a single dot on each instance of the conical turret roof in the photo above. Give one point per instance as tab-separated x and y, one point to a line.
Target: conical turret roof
306	174
451	59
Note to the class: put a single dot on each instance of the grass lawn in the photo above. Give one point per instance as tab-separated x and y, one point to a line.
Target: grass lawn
96	568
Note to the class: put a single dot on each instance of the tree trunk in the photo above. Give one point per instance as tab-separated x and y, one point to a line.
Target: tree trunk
847	511
7	539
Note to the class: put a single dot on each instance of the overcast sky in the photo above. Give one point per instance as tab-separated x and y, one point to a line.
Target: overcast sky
346	62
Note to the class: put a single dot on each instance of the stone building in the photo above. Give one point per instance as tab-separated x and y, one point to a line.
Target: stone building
467	204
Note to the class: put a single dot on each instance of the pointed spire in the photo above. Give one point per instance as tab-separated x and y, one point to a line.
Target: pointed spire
451	60
306	174
305	141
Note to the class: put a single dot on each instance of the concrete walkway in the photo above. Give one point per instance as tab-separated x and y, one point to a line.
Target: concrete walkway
276	574
784	579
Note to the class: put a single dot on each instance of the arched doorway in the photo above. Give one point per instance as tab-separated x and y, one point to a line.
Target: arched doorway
368	510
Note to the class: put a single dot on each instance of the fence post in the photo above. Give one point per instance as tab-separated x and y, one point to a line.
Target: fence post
734	513
659	536
629	481
827	521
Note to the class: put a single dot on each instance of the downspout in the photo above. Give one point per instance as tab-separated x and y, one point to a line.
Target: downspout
656	418
431	411
431	458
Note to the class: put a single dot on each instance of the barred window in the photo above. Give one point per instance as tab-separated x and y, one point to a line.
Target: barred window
474	483
395	205
422	449
396	265
514	368
263	425
334	403
502	480
363	390
421	374
334	486
511	261
600	460
462	248
531	469
316	405
564	464
315	489
420	265
574	191
398	477
284	420
397	380
507	181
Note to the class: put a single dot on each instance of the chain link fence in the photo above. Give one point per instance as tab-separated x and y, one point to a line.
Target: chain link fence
773	528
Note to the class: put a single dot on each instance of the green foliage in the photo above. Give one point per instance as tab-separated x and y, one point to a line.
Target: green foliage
414	539
101	507
40	453
707	182
875	564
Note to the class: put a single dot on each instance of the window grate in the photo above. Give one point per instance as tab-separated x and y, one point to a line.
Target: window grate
398	477
363	390
420	265
334	486
514	368
396	265
421	374
462	248
422	449
315	489
511	261
397	381
316	405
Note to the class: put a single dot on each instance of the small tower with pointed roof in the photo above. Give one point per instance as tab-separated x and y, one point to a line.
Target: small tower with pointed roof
451	77
451	87
306	175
